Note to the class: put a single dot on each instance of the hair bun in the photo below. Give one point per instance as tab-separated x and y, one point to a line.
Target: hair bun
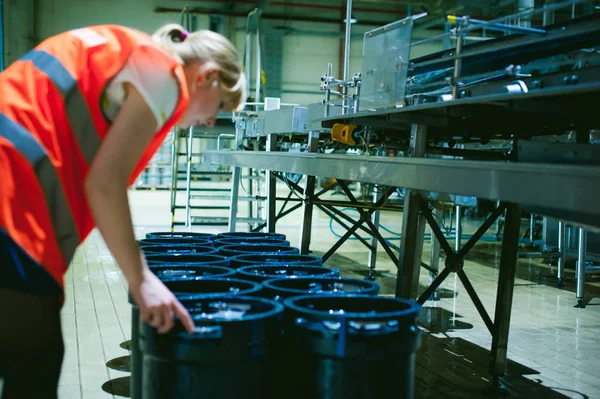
178	35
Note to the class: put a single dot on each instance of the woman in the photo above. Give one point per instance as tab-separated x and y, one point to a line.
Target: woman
80	117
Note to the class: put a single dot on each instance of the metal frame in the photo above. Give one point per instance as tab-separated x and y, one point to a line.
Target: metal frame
564	189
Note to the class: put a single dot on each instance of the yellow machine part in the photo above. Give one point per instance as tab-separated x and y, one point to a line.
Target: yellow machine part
343	133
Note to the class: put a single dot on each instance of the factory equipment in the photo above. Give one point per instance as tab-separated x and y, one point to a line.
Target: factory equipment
479	121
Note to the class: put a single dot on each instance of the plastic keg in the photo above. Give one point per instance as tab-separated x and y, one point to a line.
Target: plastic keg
251	235
349	346
180	234
183	281
183	259
274	259
261	273
178	248
235	250
230	355
219	242
280	289
171	241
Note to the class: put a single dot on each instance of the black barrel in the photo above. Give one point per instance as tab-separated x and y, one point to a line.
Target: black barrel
235	250
261	273
219	242
180	234
179	248
230	355
274	259
171	241
280	289
183	259
189	278
251	235
349	346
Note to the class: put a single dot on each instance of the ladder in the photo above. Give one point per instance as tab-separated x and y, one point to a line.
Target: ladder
199	192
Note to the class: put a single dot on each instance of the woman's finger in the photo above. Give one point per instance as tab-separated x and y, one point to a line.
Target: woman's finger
185	317
167	316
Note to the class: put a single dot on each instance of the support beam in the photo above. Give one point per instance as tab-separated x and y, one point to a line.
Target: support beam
504	296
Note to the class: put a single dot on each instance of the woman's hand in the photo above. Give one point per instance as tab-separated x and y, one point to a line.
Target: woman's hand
158	305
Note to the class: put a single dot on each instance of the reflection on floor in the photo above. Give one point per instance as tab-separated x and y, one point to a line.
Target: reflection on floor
553	346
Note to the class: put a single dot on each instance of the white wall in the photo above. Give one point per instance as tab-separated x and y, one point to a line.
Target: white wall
305	55
59	15
18	29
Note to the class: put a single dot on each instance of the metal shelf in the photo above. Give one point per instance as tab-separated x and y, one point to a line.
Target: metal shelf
565	191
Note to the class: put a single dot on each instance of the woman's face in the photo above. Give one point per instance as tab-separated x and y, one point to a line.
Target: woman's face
206	96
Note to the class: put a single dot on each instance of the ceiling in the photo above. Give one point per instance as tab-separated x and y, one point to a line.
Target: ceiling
371	13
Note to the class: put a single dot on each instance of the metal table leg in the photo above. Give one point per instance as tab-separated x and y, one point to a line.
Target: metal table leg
373	252
413	228
458	239
271	187
309	192
580	268
504	296
531	228
434	259
561	257
235	187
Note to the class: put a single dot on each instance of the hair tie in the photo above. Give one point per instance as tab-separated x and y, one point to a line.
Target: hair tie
184	34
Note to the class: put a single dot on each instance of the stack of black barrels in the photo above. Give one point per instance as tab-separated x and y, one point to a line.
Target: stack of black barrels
270	323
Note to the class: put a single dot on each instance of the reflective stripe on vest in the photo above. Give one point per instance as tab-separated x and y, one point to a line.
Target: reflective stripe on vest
58	208
76	107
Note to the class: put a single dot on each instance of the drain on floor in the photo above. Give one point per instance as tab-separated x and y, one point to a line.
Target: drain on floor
119	363
118	386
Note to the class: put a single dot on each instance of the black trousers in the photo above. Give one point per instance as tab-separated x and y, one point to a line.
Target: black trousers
31	343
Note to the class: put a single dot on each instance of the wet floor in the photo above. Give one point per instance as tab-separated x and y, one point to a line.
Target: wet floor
554	347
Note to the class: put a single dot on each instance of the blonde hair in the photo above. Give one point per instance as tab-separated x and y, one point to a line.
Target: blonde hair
207	46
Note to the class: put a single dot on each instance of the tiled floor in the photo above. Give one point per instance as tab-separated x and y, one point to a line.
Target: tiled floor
548	334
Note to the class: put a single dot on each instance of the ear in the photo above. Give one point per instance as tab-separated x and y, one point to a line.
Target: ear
207	73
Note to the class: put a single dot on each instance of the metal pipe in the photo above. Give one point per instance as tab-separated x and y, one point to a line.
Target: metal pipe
561	250
581	252
275	17
501	27
531	228
328	90
258	59
247	58
496	21
346	56
457	63
525	5
458	239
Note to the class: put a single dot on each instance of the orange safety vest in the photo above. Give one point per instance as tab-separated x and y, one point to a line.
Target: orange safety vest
52	125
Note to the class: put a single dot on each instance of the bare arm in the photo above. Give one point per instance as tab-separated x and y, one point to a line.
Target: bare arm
106	191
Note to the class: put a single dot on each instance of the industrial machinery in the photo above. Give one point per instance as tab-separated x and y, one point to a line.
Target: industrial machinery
505	120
